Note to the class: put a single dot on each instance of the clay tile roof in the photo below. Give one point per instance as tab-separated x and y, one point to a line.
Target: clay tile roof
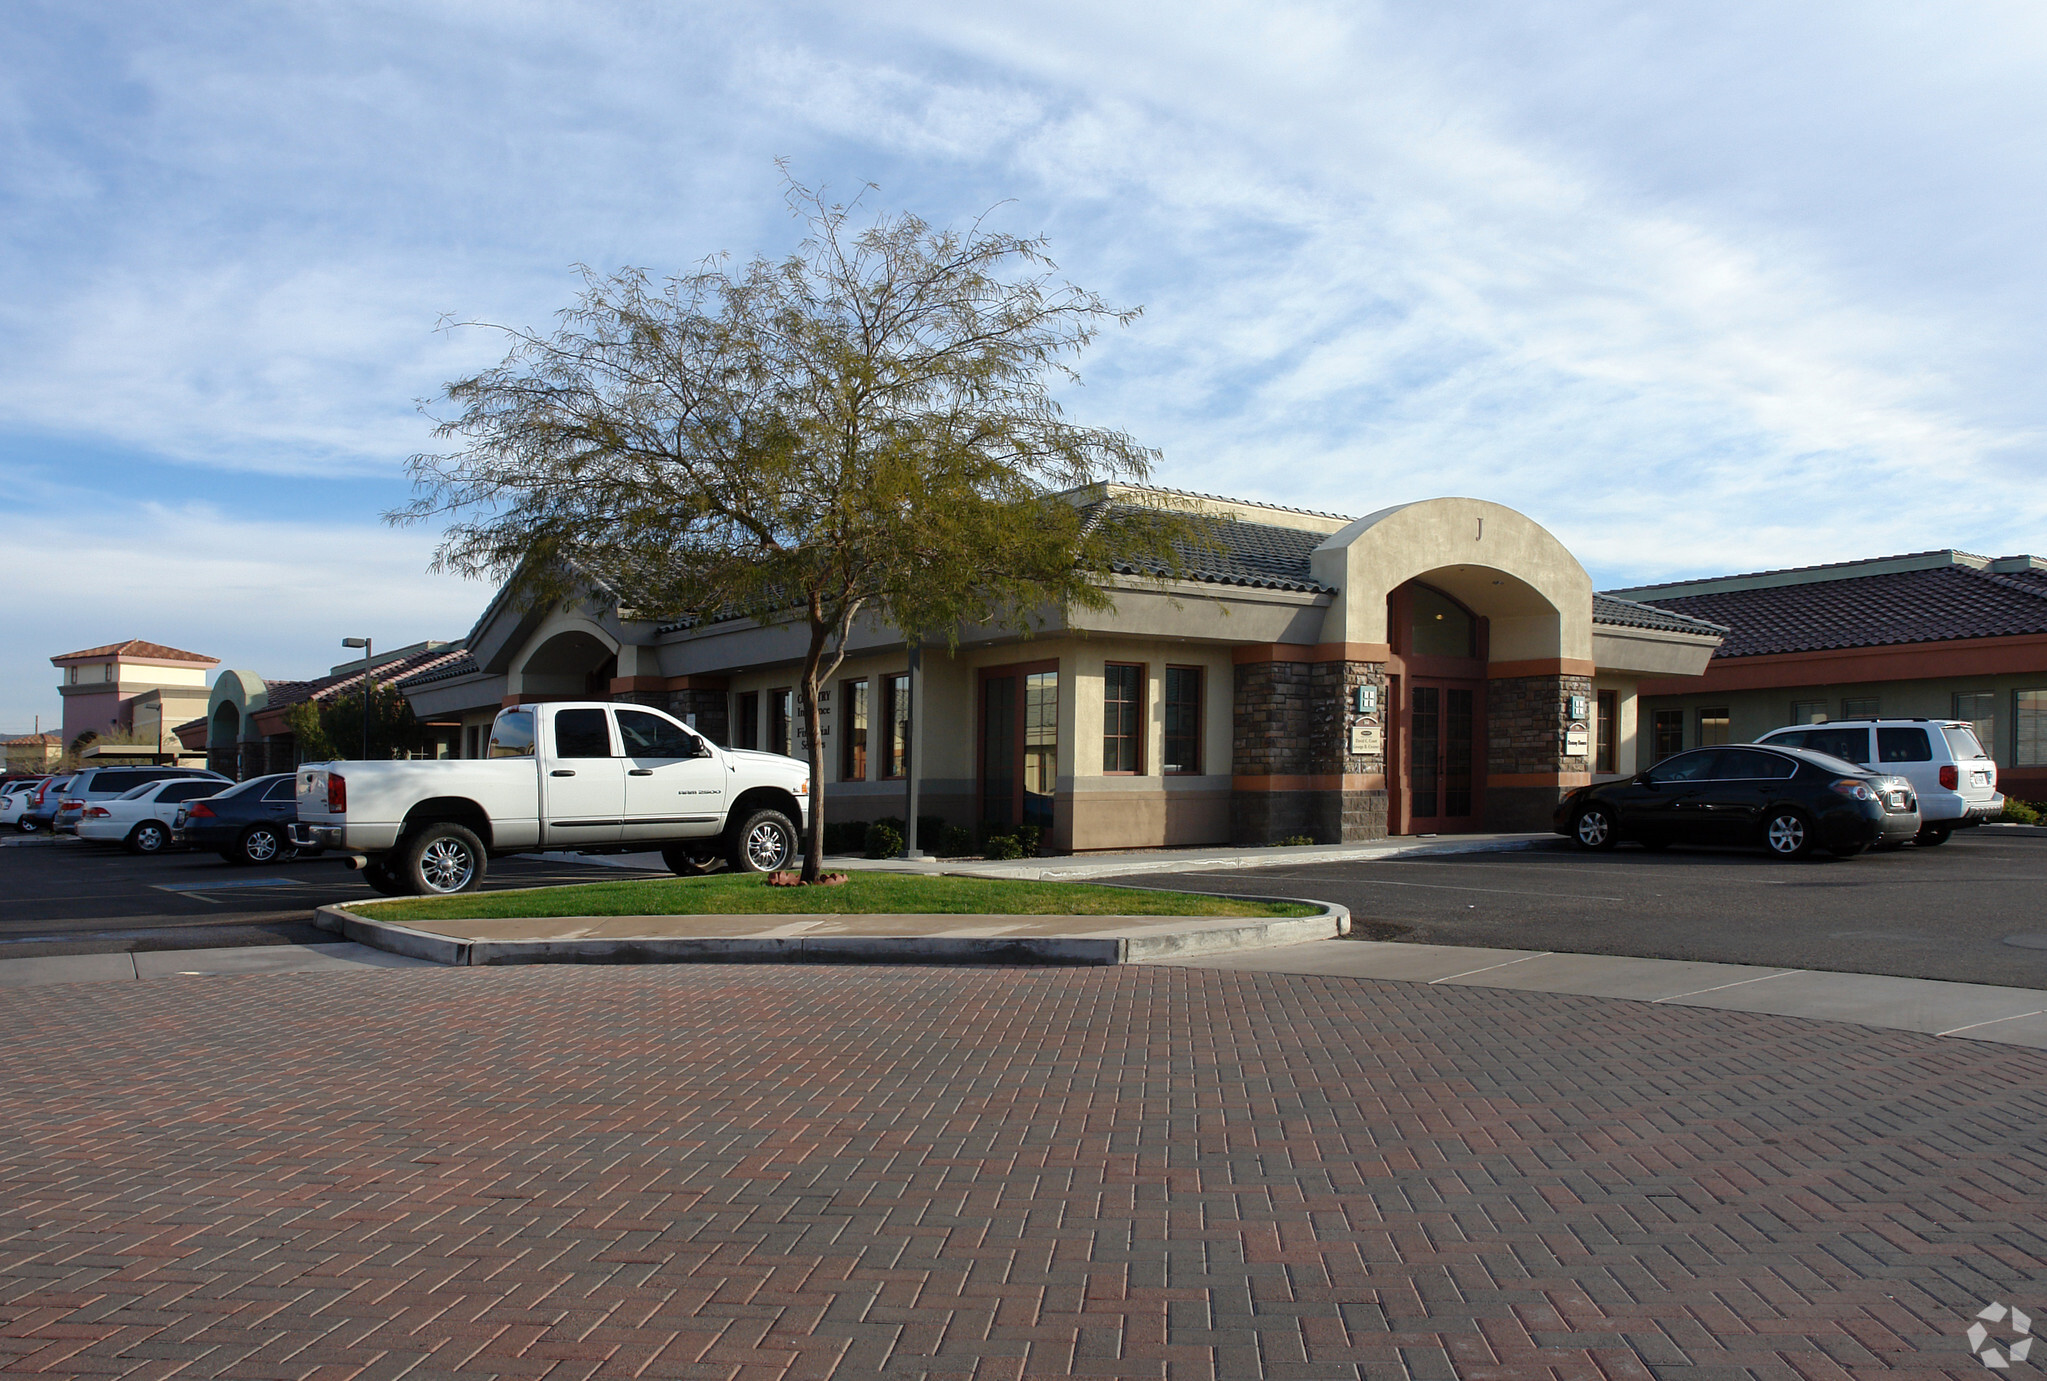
28	740
1940	604
1628	613
135	647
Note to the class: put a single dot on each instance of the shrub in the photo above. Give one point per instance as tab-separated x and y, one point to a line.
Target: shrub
2017	812
1001	846
954	841
845	836
884	840
1028	838
1295	841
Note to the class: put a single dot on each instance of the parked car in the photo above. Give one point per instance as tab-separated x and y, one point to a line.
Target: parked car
250	823
91	784
1788	800
41	811
142	818
594	778
1955	779
14	799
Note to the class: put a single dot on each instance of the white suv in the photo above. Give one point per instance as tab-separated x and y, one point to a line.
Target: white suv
1955	779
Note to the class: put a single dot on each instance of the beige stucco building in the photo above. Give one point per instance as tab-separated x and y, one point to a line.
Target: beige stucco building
1432	667
132	689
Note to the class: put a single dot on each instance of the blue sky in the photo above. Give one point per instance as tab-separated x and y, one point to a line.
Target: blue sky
1700	288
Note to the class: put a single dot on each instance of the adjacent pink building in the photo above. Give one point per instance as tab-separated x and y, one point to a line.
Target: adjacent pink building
133	687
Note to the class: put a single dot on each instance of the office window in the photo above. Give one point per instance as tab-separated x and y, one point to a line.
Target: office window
1669	733
746	719
1607	725
781	711
1862	707
853	747
2029	725
895	719
1183	720
1808	712
1122	718
1980	709
1712	727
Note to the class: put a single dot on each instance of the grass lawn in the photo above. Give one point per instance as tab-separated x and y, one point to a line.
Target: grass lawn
865	894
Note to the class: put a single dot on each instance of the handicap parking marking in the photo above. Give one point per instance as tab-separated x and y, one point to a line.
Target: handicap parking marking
235	882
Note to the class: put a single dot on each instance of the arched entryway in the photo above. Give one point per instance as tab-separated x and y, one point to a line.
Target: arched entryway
570	665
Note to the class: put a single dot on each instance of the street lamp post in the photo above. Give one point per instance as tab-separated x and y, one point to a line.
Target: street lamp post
367	650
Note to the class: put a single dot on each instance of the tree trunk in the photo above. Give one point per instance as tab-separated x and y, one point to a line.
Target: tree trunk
813	829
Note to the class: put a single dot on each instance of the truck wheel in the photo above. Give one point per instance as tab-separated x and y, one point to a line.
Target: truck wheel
439	861
685	862
764	842
1932	836
381	879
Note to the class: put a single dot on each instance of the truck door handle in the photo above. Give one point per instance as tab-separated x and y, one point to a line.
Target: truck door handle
640	772
563	772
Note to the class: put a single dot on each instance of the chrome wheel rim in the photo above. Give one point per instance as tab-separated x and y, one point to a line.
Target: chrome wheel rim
1787	834
149	838
446	866
261	846
767	846
1593	827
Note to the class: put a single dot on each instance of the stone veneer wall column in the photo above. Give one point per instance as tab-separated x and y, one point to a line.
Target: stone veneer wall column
1527	772
1290	754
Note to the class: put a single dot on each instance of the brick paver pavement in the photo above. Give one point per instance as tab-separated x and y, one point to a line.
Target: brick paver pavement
810	1172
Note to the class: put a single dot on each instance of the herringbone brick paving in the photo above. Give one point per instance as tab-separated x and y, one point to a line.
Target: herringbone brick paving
984	1173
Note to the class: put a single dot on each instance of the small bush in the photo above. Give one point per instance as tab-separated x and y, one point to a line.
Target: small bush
1295	841
1030	837
1003	846
2017	812
954	841
884	840
845	836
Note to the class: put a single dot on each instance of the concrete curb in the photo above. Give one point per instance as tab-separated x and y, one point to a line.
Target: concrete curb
1258	933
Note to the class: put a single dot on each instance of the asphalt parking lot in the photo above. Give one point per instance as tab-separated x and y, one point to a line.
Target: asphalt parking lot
1971	911
70	897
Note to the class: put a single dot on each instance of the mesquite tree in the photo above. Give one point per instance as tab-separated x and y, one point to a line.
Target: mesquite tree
863	429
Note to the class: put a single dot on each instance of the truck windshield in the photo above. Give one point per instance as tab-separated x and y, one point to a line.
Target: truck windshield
512	735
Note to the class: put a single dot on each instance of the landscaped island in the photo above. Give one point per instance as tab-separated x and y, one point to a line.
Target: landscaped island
864	893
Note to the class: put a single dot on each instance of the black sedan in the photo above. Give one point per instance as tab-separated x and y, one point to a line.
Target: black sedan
250	823
1789	800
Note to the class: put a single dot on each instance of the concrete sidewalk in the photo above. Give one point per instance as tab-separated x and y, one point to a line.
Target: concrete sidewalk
1081	867
177	963
1974	1011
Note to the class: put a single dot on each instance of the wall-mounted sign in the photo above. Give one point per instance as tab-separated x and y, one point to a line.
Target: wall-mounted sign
1577	707
1364	737
1366	700
1577	742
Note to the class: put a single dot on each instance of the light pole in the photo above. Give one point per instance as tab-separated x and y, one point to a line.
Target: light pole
364	644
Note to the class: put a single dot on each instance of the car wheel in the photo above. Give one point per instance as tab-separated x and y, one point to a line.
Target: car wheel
440	861
683	862
26	825
1788	834
381	879
1932	836
764	843
149	837
1594	829
260	844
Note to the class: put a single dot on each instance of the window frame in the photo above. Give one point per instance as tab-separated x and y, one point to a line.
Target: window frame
1199	731
1606	728
1140	679
895	690
1808	706
1875	710
852	697
781	704
1722	715
1660	720
2019	715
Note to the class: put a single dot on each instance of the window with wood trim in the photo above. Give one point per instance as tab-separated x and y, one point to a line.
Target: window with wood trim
1122	719
853	746
1607	724
1669	733
895	725
1183	721
781	712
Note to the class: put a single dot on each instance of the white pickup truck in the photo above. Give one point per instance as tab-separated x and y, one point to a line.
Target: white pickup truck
593	778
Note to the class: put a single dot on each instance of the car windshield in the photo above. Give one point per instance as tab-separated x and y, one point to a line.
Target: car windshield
1962	741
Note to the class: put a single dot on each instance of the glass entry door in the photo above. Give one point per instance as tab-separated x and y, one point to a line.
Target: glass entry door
1019	744
1442	757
